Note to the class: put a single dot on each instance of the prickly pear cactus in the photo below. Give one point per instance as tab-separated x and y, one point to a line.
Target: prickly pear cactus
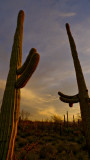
17	78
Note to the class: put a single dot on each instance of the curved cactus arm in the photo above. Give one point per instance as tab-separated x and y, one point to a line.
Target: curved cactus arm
21	69
67	100
31	67
66	96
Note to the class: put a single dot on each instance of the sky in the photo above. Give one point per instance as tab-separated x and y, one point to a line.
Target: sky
44	29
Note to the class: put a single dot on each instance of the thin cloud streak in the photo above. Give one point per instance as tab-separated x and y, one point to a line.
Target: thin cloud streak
29	95
68	14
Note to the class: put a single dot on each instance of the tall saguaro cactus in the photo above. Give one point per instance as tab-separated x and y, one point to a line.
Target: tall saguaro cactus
82	97
17	78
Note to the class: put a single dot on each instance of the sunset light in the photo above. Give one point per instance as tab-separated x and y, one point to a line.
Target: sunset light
44	29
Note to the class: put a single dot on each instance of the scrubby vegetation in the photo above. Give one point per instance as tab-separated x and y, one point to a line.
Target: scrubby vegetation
50	140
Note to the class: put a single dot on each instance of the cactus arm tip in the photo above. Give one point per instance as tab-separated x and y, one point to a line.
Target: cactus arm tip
69	99
22	68
29	70
21	13
67	26
67	96
21	16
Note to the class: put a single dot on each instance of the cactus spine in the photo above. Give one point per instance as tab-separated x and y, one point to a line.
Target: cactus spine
17	78
82	97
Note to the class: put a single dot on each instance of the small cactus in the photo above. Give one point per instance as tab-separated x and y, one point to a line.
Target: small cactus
82	97
17	78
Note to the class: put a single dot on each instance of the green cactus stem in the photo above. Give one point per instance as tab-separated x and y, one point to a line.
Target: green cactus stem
69	97
27	73
83	96
21	69
67	100
17	78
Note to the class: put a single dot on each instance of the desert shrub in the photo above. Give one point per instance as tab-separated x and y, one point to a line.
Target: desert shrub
68	147
68	131
47	139
32	156
71	145
21	155
81	139
74	147
71	156
60	146
65	156
31	139
17	141
71	138
82	156
41	142
17	138
56	119
84	147
22	142
47	150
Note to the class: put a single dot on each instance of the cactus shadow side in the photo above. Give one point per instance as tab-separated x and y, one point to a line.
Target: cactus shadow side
82	97
17	78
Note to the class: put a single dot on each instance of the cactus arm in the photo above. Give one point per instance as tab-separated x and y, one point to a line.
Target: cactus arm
22	68
31	67
67	100
66	96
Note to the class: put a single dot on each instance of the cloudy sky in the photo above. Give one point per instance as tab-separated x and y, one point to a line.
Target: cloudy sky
44	29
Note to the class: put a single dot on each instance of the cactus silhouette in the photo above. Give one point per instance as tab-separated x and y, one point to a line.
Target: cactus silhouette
82	97
17	78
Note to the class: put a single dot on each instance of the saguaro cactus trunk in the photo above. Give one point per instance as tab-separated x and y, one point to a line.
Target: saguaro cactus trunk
17	78
82	97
